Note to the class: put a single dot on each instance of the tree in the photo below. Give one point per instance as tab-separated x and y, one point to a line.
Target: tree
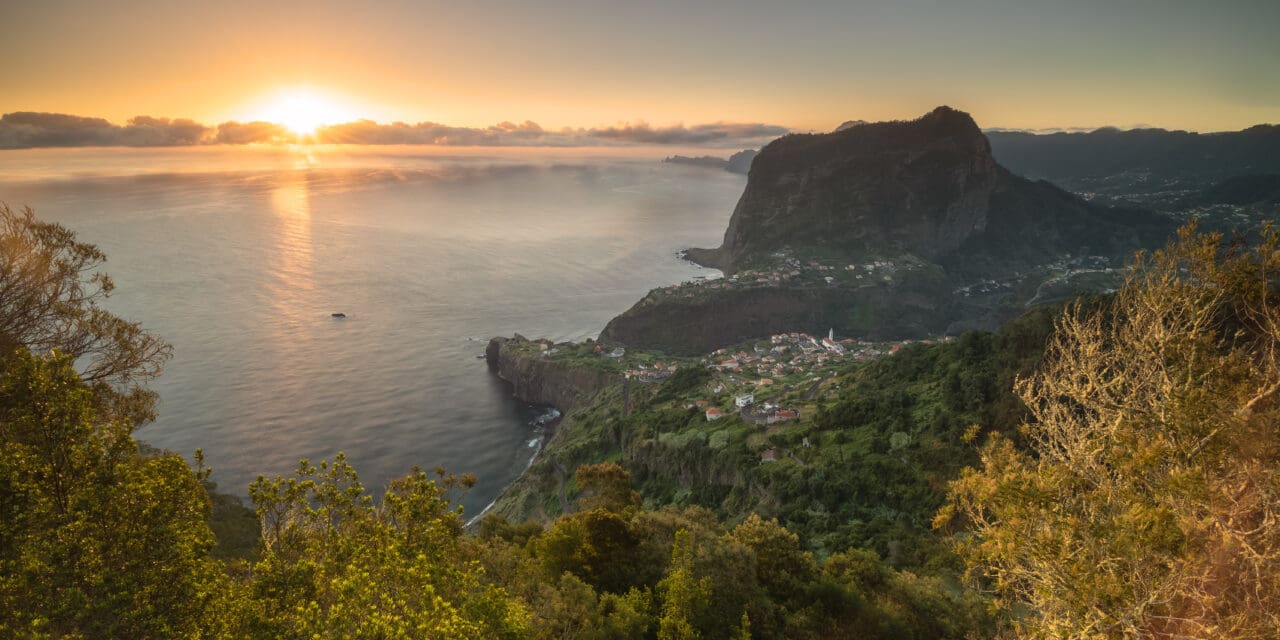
781	566
1147	506
597	546
606	486
336	564
51	289
96	540
684	597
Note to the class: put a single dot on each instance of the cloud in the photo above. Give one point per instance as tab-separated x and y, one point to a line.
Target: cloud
25	129
715	133
145	131
530	133
501	134
250	132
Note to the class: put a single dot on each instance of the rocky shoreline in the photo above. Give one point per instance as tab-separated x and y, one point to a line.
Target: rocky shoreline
537	380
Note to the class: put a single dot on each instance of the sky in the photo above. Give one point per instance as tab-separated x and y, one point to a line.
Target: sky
1032	64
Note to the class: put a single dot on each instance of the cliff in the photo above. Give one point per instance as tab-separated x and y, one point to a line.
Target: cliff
538	380
929	188
879	312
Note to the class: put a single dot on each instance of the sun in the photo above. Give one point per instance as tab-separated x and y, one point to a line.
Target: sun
302	110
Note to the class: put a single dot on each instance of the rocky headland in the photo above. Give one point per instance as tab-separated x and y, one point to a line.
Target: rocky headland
739	162
539	380
886	230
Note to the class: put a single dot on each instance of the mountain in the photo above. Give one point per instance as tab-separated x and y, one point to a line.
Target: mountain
887	231
1152	156
929	188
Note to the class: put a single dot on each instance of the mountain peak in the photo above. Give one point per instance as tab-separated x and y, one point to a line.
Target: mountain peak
946	118
924	188
920	186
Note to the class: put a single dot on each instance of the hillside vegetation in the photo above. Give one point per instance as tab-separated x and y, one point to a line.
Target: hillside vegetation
1128	489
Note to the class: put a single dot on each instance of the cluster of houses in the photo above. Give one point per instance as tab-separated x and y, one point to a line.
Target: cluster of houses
879	269
645	373
762	414
796	353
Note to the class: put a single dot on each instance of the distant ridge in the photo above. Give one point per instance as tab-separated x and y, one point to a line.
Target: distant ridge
1159	154
739	162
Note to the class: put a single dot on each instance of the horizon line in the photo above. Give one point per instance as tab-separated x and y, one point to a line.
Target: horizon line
39	129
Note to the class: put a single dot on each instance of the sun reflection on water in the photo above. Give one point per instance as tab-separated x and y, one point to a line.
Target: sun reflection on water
294	268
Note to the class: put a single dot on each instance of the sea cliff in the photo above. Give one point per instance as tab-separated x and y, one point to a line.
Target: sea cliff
705	322
539	380
569	386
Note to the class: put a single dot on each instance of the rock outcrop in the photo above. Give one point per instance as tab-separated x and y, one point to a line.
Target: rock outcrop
538	380
977	240
928	187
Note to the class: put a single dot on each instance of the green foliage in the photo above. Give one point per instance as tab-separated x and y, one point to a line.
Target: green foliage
100	538
606	486
685	596
335	564
96	540
690	577
686	380
886	447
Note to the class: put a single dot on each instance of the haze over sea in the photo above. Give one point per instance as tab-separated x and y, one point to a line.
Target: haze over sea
238	256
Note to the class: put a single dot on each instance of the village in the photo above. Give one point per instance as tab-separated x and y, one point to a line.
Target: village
763	374
770	382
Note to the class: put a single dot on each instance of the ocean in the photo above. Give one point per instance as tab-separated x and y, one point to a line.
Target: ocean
239	256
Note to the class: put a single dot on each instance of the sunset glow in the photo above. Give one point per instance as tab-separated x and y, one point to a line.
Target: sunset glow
302	110
807	68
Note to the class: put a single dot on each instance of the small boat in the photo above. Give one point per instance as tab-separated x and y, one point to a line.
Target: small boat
338	315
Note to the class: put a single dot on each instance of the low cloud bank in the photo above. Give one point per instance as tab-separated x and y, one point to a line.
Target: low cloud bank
714	134
25	130
502	134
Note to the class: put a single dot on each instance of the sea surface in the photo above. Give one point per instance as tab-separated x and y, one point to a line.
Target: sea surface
238	256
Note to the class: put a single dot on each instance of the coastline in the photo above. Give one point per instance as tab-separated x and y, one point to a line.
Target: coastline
535	380
545	429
